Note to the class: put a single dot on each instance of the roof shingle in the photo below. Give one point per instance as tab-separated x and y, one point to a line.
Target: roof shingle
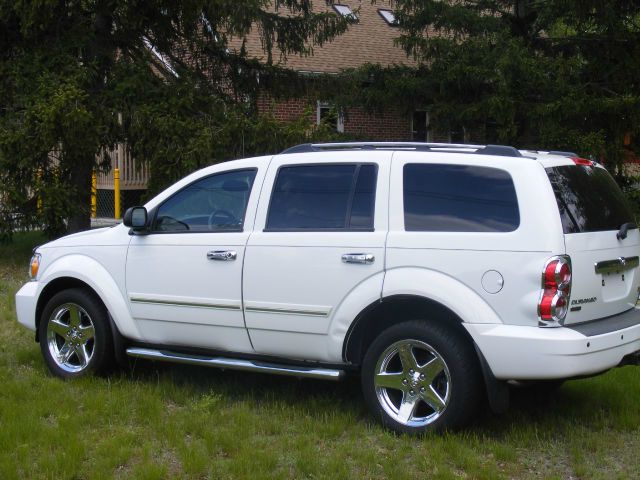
370	40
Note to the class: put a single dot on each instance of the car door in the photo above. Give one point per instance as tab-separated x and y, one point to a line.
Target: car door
183	279
319	234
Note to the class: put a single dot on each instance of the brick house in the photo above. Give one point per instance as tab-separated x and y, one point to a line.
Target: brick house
370	39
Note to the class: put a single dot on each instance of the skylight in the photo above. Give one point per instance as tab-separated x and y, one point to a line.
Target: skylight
160	57
345	11
389	17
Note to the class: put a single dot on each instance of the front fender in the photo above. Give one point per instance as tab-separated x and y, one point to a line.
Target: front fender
441	288
91	272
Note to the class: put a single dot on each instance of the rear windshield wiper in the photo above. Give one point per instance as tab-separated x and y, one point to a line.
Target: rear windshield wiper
624	228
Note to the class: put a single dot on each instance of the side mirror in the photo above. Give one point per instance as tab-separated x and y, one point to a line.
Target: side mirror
135	218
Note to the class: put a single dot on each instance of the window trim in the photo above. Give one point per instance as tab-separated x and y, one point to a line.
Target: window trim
340	120
457	232
156	209
349	201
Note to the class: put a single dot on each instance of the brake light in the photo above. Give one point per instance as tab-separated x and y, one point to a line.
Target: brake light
582	161
556	291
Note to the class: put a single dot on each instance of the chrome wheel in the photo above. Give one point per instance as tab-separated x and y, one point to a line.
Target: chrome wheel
412	383
70	337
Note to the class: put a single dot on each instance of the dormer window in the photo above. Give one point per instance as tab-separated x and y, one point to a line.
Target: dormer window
345	11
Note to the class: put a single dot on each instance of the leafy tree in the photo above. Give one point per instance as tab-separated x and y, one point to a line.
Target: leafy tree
562	74
79	76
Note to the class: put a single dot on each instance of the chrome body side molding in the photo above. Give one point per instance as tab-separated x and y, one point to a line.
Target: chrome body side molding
173	303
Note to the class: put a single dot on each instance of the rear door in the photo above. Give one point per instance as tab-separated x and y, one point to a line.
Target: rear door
605	267
320	233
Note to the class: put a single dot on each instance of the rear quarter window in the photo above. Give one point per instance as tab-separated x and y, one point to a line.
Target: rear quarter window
459	198
589	199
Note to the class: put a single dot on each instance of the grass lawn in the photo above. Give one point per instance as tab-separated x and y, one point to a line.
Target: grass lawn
163	421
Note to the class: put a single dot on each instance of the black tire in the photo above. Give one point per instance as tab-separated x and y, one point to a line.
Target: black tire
446	365
75	336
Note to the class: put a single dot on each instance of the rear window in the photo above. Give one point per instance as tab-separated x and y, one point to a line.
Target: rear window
589	199
459	198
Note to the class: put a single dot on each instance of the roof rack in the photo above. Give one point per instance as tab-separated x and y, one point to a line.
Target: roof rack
501	150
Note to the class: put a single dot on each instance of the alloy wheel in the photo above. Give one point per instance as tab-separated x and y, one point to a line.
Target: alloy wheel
71	337
412	383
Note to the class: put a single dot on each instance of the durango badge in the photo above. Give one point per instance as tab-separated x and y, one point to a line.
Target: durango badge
582	301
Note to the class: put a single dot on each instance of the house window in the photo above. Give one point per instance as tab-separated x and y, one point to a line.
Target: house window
388	17
420	126
328	114
423	131
345	11
458	134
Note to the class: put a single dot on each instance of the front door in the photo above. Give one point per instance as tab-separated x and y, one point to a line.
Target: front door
184	278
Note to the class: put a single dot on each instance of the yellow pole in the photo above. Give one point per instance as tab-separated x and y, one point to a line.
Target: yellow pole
94	194
116	192
39	197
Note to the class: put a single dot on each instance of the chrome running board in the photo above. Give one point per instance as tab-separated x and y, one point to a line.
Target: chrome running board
236	364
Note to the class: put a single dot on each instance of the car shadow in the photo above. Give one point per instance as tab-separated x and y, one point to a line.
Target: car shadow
262	388
590	403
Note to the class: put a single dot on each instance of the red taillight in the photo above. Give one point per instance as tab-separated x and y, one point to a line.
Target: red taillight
556	289
582	161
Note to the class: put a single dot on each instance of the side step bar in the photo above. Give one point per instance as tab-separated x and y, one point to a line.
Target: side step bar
236	364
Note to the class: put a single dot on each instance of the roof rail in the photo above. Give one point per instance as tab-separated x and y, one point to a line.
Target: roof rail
564	154
501	150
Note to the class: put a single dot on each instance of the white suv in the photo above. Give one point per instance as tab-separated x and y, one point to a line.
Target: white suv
438	272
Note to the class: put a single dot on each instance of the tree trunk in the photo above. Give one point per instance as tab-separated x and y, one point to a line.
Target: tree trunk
99	52
80	179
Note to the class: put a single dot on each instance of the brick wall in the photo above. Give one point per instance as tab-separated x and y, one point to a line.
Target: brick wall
389	126
284	110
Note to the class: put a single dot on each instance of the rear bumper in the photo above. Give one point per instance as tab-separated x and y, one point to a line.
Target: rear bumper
532	353
26	301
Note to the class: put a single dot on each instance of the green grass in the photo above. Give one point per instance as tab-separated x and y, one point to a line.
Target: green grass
164	421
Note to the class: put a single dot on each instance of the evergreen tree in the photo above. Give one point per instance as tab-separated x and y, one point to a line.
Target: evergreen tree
79	76
561	74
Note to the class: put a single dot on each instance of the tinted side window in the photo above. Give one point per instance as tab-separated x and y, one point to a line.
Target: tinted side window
459	198
215	203
323	197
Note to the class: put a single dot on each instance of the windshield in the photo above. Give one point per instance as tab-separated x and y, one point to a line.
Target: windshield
589	199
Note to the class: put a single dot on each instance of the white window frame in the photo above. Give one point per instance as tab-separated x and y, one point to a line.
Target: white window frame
340	122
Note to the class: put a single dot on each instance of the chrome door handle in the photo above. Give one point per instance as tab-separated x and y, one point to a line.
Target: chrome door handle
224	255
365	258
